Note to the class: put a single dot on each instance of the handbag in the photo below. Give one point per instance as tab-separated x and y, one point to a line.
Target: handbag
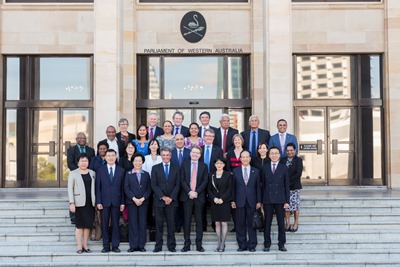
258	219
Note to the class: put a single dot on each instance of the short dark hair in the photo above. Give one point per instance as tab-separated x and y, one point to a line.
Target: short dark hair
292	145
111	150
140	155
220	159
205	112
102	143
281	120
83	155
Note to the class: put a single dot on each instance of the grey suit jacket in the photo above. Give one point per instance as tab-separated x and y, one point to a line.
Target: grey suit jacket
76	188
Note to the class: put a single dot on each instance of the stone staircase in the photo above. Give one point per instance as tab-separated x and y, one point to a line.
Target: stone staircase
334	231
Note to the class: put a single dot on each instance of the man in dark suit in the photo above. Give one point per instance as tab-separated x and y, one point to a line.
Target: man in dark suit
246	199
282	138
110	199
113	142
204	118
165	183
74	152
224	134
152	127
178	118
194	182
254	135
210	152
179	155
275	180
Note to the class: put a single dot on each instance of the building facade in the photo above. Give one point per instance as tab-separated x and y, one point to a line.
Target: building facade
330	68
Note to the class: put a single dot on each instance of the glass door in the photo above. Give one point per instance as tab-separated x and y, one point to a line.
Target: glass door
327	144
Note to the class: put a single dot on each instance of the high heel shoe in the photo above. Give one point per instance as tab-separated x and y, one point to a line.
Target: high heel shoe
222	248
289	229
294	230
217	249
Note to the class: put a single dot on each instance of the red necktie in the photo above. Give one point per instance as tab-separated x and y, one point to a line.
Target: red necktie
151	134
193	180
224	143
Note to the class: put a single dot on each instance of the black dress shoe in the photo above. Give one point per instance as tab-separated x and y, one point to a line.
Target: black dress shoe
142	249
131	250
87	250
117	250
157	250
252	250
172	250
105	250
200	248
241	249
294	230
266	249
282	249
185	249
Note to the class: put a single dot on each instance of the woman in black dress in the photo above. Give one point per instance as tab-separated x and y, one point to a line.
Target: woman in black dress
220	195
262	156
126	160
81	201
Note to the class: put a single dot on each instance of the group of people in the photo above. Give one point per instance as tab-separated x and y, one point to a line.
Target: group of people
165	175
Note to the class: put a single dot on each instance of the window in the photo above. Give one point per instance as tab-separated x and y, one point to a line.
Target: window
49	1
193	1
336	0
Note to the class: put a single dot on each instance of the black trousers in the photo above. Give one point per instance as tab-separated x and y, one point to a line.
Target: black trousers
280	217
167	214
190	206
113	213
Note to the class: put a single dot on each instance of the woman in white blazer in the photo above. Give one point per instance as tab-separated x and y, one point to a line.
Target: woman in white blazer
81	197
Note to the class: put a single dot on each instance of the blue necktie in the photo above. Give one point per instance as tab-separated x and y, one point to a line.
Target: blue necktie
166	172
254	145
207	158
111	174
180	157
176	130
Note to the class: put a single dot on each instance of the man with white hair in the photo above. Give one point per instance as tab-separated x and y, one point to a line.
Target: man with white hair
152	128
254	135
224	134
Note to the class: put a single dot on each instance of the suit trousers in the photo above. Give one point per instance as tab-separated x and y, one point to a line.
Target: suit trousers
280	217
189	206
167	214
114	214
137	219
244	223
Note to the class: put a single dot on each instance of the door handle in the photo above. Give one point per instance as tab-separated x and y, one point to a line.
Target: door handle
319	147
334	146
67	145
52	148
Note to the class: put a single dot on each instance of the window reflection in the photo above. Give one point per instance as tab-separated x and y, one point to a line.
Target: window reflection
154	78
325	77
370	77
11	145
13	86
64	79
193	78
235	84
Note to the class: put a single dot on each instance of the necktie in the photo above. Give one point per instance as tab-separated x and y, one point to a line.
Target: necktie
151	134
166	172
273	168
180	158
245	176
193	180
282	139
176	130
204	131
254	145
207	158
81	149
224	142
111	174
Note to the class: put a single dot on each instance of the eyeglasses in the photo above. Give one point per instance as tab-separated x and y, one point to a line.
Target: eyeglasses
274	153
194	152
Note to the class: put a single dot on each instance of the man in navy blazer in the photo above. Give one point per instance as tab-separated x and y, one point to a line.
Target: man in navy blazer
254	135
152	127
224	133
176	159
246	199
204	118
110	199
178	118
214	151
194	181
74	152
276	188
282	138
165	183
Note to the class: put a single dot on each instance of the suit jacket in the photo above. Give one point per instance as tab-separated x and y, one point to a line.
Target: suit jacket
135	189
201	180
211	127
110	194
96	163
73	154
175	158
223	190
161	187
250	192
275	185
216	152
157	131
77	190
121	144
295	171
218	140
125	163
276	141
184	131
263	135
